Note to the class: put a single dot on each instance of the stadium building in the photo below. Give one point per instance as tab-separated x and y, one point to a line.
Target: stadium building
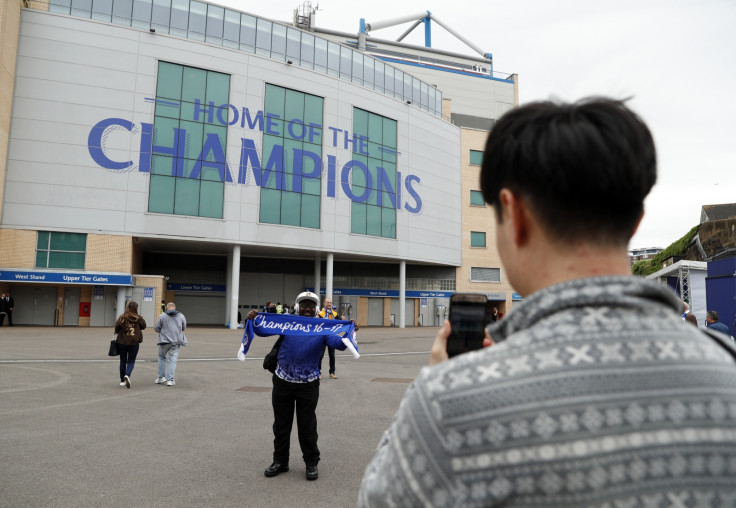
175	150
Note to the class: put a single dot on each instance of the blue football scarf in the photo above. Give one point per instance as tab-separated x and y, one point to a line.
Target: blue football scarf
266	324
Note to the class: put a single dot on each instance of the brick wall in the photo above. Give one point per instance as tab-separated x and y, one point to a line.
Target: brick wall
109	253
17	248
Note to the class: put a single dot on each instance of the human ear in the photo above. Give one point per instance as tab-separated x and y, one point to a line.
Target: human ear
515	213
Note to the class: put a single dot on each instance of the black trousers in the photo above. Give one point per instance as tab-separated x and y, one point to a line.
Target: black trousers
285	397
331	351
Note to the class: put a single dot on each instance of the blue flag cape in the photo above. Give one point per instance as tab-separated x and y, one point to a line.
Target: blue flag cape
266	324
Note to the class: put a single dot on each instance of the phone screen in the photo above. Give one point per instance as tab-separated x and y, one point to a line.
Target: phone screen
468	321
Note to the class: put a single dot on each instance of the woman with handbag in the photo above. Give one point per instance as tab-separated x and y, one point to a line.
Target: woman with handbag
128	329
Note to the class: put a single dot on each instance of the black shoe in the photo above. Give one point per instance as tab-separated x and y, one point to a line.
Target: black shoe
274	469
312	473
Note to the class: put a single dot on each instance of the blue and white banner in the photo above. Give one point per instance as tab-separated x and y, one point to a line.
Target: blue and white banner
266	324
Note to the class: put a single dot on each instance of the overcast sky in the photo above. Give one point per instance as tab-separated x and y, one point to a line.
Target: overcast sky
675	58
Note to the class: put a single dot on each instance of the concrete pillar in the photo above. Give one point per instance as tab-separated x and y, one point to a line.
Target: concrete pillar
120	307
328	275
234	286
317	274
228	286
402	294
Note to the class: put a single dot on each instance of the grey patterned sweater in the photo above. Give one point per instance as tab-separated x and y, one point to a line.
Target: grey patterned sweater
598	395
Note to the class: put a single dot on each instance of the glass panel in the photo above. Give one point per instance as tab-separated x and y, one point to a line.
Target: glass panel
310	211
66	260
186	201
389	80
346	62
197	20
477	239
320	54
293	44
162	165
263	37
360	122
424	96
368	72
398	84
476	157
42	257
333	59
307	49
247	32
357	67
291	206
375	131
194	85
142	13
373	220
388	222
195	138
163	131
62	6
358	218
82	8
102	10
231	29
179	17
278	41
215	20
211	199
378	78
218	87
161	14
432	101
312	111
389	133
274	103
42	241
122	11
68	241
161	194
270	206
169	82
294	106
221	133
476	198
311	186
407	87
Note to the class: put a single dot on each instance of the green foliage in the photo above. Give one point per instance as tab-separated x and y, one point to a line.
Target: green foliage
649	266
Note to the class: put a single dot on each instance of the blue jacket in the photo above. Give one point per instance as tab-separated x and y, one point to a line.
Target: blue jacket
719	327
299	356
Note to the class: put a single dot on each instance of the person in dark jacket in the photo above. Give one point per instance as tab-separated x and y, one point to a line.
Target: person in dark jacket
129	328
711	321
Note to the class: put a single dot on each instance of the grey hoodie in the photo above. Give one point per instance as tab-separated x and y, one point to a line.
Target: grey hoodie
170	326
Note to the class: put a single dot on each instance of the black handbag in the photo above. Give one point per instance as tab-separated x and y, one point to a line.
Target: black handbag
271	359
113	348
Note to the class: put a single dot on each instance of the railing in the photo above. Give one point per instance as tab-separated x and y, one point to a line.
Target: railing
217	25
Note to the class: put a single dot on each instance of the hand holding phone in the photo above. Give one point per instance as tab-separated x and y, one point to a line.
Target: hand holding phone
468	320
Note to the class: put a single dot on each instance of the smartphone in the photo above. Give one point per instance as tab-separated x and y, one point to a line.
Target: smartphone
468	318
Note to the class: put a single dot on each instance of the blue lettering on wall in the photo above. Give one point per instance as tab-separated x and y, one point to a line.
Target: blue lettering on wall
305	163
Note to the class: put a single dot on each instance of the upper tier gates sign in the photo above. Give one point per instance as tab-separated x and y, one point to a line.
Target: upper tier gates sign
306	164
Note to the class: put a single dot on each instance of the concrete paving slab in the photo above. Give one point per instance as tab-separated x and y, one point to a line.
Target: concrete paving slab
72	437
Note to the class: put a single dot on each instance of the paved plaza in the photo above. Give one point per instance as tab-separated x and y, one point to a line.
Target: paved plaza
72	437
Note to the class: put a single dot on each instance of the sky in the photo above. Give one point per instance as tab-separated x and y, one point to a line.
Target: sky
674	59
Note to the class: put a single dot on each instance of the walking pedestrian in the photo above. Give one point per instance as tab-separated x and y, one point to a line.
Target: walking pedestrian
129	328
170	326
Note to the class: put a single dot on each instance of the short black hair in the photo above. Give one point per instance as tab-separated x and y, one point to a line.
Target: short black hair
584	168
713	315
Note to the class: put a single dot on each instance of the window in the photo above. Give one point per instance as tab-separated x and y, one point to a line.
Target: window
485	274
476	198
476	157
188	167
60	250
477	239
291	182
373	175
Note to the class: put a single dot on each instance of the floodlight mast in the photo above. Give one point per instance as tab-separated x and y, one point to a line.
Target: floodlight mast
424	17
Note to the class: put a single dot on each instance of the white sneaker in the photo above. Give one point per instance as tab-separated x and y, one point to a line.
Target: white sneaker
127	381
170	383
122	383
160	380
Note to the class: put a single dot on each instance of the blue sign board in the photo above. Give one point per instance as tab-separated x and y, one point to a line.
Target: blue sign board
147	294
44	277
197	288
516	297
393	293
